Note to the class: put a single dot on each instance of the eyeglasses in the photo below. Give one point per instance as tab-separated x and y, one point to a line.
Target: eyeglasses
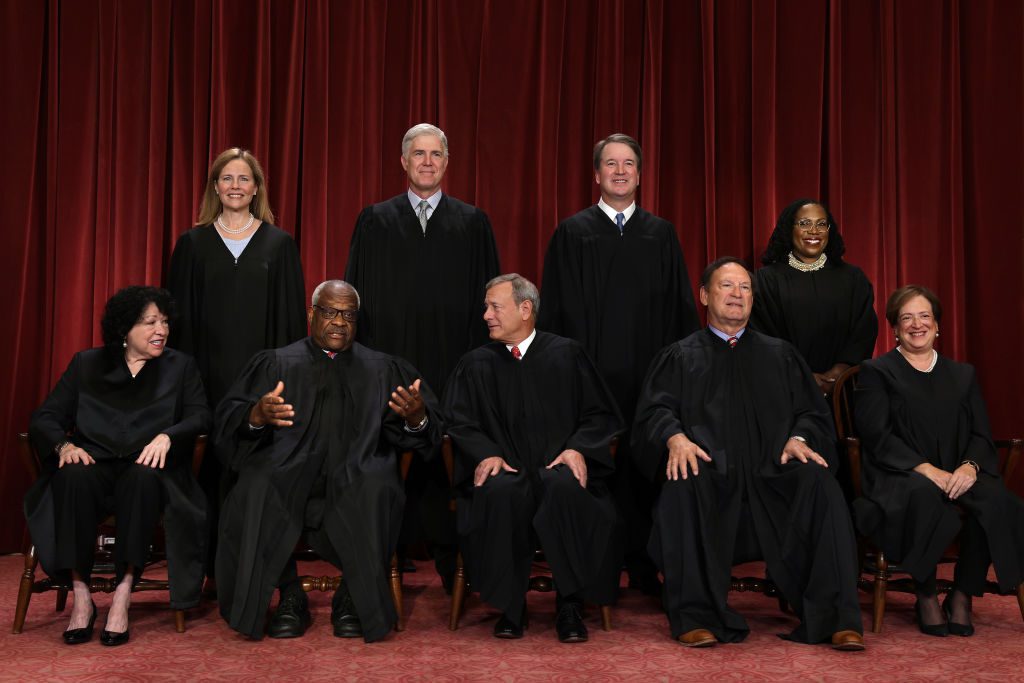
806	224
332	313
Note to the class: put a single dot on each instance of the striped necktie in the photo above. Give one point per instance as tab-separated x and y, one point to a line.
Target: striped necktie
732	342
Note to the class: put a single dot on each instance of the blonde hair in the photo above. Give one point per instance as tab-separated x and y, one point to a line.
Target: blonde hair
211	206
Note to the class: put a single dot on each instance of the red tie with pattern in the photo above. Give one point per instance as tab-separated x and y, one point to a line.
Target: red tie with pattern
516	354
332	354
732	342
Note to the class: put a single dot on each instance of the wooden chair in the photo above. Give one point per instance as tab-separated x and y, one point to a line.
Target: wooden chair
303	553
104	557
541	583
873	561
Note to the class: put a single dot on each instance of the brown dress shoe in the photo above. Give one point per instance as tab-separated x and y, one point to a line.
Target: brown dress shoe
698	637
847	640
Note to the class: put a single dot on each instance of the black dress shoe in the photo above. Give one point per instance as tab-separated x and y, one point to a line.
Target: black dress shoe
292	617
508	630
344	618
939	630
75	636
112	639
955	628
569	623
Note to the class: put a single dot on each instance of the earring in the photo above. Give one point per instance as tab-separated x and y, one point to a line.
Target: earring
936	333
124	343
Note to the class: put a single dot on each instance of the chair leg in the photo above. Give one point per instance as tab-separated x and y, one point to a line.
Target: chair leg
1020	599
606	617
62	599
878	600
458	594
179	620
396	593
28	577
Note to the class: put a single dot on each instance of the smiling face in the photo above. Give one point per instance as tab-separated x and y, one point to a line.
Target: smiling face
335	334
236	186
728	296
617	174
425	164
810	232
507	322
148	335
916	327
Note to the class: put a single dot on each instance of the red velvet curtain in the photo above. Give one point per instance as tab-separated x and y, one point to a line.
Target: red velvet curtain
905	116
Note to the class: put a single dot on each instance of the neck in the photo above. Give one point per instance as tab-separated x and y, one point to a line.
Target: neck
520	340
235	218
924	355
730	328
619	205
424	194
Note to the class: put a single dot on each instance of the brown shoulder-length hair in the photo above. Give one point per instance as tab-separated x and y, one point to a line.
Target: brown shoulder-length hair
904	294
210	207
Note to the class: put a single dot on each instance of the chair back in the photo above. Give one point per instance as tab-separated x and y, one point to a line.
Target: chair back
842	414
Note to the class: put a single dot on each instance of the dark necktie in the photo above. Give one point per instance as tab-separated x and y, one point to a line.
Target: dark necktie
516	354
732	342
620	220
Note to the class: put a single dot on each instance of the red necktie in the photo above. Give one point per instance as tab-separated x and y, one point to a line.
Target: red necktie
332	354
732	342
516	354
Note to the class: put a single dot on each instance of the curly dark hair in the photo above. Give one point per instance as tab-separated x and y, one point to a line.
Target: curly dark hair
781	241
125	308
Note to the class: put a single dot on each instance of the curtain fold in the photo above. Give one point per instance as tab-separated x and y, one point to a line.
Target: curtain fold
906	117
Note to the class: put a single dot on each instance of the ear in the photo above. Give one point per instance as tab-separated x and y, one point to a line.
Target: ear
703	296
405	163
309	317
526	309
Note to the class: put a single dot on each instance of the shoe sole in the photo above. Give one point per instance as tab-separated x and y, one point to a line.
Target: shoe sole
574	639
709	642
849	647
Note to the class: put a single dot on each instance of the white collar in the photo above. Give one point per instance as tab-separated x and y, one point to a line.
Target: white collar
415	200
523	345
610	212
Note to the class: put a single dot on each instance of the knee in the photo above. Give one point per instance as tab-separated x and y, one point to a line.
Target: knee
142	478
74	476
503	487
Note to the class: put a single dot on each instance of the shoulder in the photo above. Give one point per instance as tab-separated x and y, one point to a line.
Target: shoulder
460	207
275	234
962	372
389	209
654	224
885	365
548	343
194	236
772	346
581	221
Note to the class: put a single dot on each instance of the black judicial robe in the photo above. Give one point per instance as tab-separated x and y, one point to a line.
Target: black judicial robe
624	297
906	417
827	314
422	294
228	310
112	415
740	406
344	436
528	412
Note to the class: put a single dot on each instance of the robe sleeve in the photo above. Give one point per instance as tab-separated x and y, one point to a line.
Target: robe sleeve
461	406
598	420
873	417
288	292
682	308
980	447
659	411
860	342
181	283
234	441
195	412
557	286
766	303
356	270
425	441
52	421
812	418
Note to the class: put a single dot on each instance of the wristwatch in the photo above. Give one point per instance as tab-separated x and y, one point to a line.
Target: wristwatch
60	446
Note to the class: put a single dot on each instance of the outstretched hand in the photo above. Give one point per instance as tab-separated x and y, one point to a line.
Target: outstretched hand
272	410
795	449
408	403
683	456
489	467
155	453
576	463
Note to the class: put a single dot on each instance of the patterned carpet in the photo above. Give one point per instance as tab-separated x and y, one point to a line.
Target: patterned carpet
638	648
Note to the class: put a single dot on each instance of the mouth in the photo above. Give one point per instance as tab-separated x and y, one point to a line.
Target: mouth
158	343
235	195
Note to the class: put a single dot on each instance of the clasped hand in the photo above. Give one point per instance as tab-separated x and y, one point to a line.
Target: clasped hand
954	484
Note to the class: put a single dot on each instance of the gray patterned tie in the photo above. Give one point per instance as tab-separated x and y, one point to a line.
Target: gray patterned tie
421	213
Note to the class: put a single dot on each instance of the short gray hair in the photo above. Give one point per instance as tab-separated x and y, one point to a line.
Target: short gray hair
334	283
522	290
424	129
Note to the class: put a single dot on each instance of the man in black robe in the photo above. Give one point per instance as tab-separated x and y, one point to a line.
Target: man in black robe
308	430
428	242
532	421
734	423
615	281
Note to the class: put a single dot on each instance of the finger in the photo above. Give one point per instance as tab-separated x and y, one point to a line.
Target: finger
692	460
785	458
401	394
672	471
279	389
703	456
508	468
280	423
397	408
160	460
800	456
415	387
816	457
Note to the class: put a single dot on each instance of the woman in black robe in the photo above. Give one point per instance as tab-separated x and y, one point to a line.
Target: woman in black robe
807	295
116	435
930	468
238	283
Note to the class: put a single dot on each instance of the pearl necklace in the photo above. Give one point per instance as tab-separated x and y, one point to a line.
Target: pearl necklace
223	226
807	267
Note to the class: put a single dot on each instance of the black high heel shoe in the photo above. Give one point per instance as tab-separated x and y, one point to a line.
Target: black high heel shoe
75	636
939	630
955	628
